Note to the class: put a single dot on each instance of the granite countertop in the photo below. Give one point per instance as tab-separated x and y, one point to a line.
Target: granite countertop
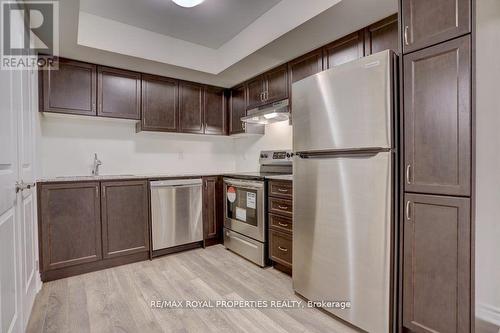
280	177
144	176
123	176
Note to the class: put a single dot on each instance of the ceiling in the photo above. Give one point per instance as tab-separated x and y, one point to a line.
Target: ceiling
331	24
211	24
178	36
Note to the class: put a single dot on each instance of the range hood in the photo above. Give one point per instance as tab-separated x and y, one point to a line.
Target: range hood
268	114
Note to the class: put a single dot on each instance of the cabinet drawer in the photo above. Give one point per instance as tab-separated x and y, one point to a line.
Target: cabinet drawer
280	223
281	189
280	247
280	206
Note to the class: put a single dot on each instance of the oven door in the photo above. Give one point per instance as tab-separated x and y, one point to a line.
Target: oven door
244	207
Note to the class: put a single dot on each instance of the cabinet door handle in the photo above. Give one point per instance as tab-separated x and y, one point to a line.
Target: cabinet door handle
406	35
266	95
408	217
283	224
408	174
282	190
282	249
282	207
262	96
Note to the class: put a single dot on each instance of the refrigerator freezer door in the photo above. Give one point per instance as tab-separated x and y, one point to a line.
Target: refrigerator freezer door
342	235
346	107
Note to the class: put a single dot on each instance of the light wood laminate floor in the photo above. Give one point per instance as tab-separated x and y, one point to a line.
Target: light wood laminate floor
119	299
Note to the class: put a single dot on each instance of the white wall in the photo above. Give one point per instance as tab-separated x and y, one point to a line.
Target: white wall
67	144
488	162
278	136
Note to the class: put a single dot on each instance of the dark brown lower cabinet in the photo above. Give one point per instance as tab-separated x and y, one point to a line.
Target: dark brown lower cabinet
70	226
437	266
280	221
87	226
280	247
125	216
212	210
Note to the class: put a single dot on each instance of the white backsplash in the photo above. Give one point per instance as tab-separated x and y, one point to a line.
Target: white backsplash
247	149
66	147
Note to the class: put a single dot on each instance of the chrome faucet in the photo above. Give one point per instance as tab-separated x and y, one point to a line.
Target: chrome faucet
97	163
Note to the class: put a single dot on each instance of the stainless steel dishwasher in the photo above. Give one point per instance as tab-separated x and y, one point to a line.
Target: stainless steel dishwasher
176	209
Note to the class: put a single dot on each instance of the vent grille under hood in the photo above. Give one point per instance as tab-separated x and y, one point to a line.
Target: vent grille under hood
268	114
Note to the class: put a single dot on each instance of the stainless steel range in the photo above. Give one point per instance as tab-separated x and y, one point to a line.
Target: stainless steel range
245	225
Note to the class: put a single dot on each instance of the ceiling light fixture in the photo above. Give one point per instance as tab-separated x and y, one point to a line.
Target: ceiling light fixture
188	3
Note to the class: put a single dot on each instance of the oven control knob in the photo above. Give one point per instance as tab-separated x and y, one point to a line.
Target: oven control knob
263	155
288	155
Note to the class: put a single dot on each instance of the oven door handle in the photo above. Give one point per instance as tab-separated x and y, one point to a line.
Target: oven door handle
248	185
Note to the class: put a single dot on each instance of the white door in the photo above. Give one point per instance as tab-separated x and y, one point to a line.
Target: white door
10	295
18	271
27	197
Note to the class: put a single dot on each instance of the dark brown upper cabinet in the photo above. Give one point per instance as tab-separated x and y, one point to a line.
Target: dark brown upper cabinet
304	66
160	109
69	89
119	93
125	217
215	111
191	104
346	49
212	210
433	21
237	109
382	36
437	107
256	88
437	267
70	224
267	88
276	84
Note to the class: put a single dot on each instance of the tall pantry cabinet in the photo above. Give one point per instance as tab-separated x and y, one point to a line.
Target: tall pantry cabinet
437	118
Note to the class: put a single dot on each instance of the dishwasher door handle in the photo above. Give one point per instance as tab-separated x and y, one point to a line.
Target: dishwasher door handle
176	182
175	186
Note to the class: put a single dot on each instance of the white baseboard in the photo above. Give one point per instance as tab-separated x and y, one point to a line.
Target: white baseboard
488	313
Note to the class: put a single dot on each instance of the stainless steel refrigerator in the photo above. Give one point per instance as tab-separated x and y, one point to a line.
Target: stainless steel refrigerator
343	173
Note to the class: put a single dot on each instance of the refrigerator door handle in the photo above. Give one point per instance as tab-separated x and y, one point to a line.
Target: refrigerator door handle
359	152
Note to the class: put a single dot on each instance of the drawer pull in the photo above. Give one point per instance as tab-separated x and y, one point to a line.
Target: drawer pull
283	224
283	190
283	207
282	249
